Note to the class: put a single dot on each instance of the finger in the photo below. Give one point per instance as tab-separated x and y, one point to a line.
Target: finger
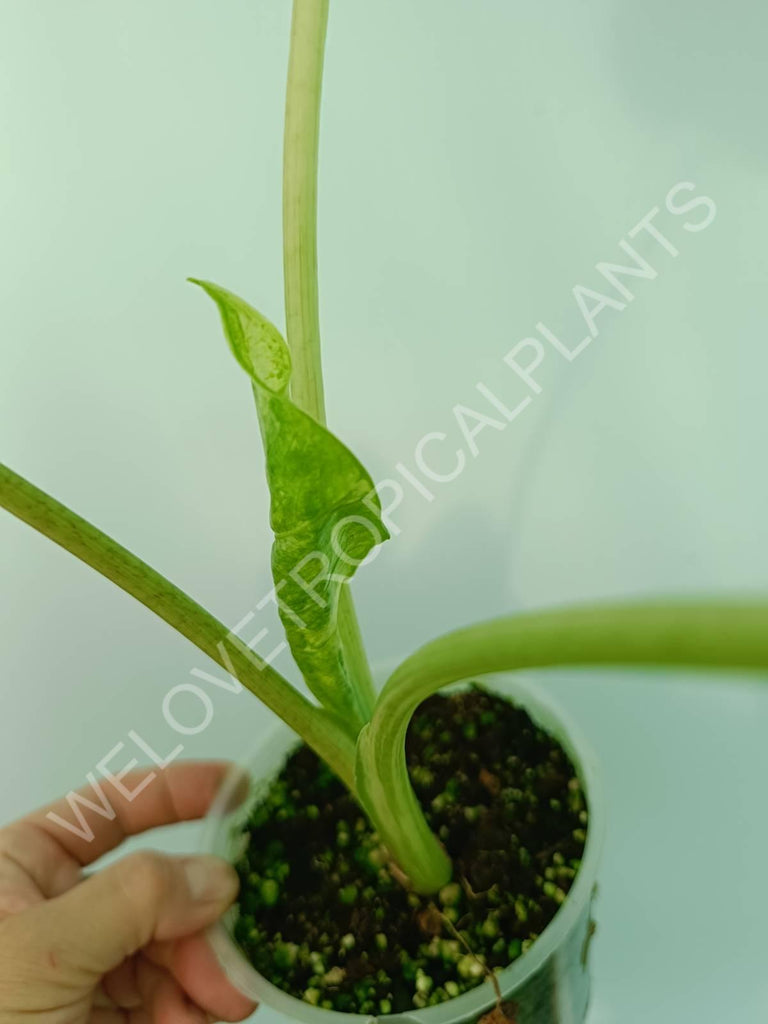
121	985
144	897
40	859
119	1017
101	1001
194	965
163	999
33	867
181	792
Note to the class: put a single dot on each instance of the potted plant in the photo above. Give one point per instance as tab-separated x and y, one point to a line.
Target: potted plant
409	852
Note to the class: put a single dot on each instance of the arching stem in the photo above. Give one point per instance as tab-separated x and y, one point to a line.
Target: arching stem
320	730
707	635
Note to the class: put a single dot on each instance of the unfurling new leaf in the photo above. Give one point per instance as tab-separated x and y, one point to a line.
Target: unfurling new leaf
325	512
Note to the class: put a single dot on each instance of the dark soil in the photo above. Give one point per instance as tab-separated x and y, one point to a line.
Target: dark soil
322	917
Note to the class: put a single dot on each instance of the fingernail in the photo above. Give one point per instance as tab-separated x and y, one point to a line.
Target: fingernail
210	879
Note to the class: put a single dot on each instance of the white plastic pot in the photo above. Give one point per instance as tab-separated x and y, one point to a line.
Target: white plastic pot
549	983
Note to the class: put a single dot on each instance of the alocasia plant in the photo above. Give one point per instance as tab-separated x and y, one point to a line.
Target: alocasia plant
326	520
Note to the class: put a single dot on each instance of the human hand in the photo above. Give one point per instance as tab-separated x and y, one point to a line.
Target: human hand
124	945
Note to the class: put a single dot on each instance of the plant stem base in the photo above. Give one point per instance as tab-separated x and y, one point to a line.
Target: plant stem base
323	918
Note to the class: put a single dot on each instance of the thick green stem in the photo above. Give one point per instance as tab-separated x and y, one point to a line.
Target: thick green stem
706	635
354	650
320	730
300	154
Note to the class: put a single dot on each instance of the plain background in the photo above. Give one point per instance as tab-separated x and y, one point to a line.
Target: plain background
478	159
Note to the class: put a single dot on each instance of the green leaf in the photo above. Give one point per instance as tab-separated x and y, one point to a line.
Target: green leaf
325	511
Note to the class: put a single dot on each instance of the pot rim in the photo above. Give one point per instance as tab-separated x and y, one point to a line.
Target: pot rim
549	715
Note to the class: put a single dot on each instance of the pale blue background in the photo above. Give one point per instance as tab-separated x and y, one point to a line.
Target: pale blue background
478	159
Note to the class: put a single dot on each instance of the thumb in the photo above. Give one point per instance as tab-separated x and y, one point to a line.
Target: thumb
145	897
